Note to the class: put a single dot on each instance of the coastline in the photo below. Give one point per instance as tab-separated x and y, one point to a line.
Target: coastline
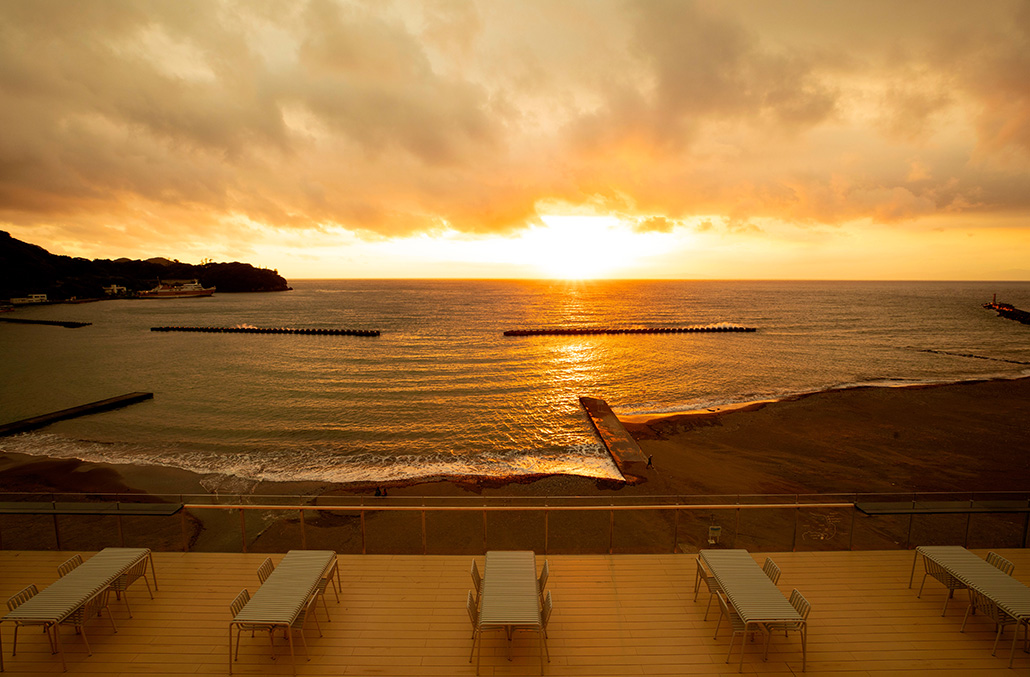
965	436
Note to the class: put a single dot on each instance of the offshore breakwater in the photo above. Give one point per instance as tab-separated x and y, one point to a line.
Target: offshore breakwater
273	330
581	331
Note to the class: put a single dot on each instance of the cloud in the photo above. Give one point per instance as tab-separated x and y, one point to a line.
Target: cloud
131	122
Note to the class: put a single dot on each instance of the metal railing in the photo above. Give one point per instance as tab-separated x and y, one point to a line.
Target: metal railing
577	524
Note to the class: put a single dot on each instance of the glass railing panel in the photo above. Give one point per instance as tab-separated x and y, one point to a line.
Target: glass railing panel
455	532
989	531
644	531
27	532
393	532
765	529
577	532
824	528
214	530
516	530
88	532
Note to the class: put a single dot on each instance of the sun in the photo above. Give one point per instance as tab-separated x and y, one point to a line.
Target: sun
581	247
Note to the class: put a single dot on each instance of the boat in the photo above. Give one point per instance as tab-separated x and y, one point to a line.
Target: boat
177	289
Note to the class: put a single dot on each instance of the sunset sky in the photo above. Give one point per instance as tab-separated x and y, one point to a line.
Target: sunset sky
524	138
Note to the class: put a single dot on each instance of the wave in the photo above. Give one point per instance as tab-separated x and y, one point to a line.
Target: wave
323	463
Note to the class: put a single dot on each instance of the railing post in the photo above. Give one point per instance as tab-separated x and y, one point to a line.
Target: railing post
484	531
547	528
121	536
363	533
911	520
243	529
736	524
57	531
423	526
185	537
851	538
675	528
797	516
611	532
303	531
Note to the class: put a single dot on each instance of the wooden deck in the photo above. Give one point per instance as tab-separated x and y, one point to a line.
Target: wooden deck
614	615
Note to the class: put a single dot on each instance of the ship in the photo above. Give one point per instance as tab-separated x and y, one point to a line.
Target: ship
177	289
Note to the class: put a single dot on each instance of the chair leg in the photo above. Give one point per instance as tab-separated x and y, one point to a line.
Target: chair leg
82	630
920	593
709	606
326	607
14	649
946	598
965	618
127	607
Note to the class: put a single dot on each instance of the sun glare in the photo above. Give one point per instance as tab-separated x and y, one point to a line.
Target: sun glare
581	247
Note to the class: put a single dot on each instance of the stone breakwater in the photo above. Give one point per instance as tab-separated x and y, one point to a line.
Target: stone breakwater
272	330
577	331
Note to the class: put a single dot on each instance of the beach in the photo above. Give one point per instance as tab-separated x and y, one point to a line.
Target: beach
942	438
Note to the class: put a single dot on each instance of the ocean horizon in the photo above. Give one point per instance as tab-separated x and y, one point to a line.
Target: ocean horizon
443	393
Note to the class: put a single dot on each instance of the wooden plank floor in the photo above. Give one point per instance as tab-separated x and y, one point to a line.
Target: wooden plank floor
614	615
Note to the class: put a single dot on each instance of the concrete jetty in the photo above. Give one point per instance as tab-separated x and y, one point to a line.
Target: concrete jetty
27	424
51	323
620	444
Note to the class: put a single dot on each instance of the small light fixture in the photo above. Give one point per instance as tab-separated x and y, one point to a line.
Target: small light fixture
714	532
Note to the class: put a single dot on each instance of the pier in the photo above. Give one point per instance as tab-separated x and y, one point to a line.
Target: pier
585	331
273	330
620	444
51	323
27	424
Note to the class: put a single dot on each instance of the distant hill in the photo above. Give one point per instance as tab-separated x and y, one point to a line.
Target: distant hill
29	269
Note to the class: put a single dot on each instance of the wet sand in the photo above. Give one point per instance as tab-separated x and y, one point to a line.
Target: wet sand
958	437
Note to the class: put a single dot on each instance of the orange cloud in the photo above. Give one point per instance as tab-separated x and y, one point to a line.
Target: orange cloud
166	125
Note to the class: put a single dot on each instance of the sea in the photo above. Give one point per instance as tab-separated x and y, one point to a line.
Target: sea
442	392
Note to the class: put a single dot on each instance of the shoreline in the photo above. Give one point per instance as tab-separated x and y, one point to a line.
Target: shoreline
744	437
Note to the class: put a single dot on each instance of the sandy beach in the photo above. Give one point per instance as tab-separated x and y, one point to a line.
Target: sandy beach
955	437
